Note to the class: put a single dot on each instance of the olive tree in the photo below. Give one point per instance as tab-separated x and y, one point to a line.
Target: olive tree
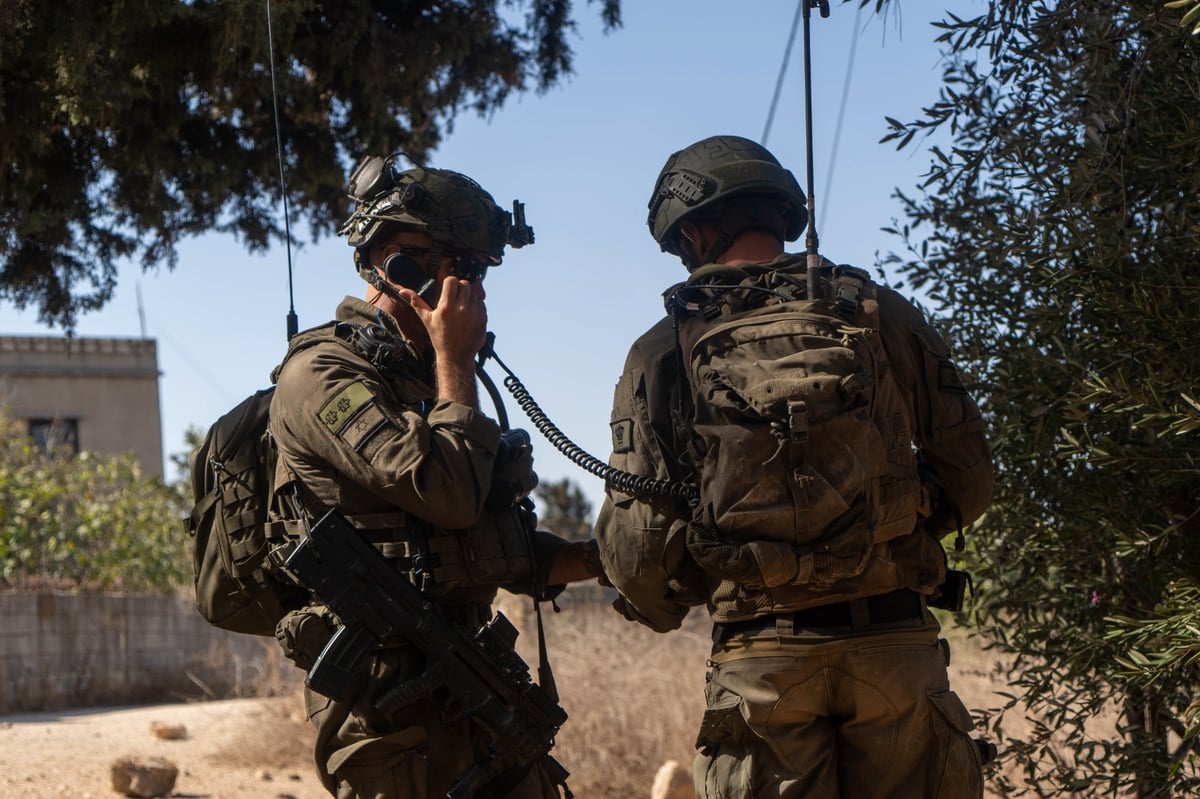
126	127
88	520
1057	236
564	509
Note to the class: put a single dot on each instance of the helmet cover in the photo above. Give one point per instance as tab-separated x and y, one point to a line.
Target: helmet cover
709	173
448	206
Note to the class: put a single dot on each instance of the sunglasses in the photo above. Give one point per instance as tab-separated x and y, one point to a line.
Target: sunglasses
466	266
463	265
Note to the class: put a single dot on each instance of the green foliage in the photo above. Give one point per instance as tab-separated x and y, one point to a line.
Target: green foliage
193	437
564	510
1191	13
125	127
1058	233
90	521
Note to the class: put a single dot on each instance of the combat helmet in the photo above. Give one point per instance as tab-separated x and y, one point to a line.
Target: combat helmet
452	209
698	181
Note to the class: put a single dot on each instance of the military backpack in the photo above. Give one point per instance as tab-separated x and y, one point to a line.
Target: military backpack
238	523
784	431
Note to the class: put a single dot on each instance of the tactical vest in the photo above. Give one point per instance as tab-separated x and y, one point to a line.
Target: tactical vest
459	565
456	566
799	435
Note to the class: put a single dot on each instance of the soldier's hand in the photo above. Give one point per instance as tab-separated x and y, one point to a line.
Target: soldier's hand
576	562
457	325
457	329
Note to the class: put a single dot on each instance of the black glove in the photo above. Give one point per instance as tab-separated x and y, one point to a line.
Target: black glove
513	477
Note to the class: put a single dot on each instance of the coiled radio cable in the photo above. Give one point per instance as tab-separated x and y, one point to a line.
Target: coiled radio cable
623	481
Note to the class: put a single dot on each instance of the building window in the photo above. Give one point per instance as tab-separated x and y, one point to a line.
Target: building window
55	434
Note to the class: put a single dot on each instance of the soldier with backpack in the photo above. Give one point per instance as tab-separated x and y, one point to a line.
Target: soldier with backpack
833	446
379	419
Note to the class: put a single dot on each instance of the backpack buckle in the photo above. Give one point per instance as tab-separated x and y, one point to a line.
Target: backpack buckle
797	421
847	301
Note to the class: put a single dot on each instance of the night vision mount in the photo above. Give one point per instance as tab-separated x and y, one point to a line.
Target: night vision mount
382	188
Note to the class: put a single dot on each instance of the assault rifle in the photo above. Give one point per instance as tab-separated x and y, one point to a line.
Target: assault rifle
478	676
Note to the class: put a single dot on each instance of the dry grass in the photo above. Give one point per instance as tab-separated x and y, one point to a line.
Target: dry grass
241	666
635	698
980	677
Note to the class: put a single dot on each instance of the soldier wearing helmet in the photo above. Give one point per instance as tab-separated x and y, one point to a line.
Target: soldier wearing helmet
827	677
376	414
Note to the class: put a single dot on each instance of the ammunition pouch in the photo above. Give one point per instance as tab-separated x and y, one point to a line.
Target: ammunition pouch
953	591
466	564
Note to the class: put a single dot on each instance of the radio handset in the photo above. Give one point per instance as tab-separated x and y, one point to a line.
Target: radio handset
403	270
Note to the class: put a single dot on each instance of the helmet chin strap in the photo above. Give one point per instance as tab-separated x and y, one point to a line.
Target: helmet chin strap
740	215
720	245
373	278
384	287
724	240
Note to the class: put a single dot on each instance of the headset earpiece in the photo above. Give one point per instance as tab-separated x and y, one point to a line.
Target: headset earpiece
403	270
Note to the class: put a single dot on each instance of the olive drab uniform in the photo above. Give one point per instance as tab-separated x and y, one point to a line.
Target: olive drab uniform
816	689
358	428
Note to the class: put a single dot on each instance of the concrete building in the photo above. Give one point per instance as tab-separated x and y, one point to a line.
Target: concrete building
96	394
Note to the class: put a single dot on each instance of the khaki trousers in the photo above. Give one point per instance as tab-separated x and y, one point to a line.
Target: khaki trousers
867	716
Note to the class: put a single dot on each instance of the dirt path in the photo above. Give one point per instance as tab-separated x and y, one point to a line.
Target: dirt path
260	748
234	749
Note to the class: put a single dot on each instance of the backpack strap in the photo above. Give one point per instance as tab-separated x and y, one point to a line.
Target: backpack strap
202	507
341	332
848	287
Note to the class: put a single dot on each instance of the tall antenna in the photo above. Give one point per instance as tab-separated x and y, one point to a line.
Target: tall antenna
787	53
141	309
837	130
292	322
811	242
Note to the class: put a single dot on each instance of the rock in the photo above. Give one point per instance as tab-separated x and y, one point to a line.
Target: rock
169	732
264	775
144	777
672	781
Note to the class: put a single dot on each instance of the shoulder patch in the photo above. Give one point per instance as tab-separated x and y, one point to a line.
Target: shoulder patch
948	378
622	435
363	426
339	410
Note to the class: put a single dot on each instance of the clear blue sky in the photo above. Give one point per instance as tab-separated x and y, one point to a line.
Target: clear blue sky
583	158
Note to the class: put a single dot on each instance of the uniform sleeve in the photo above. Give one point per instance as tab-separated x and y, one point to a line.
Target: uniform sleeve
950	433
641	535
329	412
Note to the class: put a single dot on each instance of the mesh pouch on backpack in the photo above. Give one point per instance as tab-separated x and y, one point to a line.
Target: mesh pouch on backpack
785	443
232	476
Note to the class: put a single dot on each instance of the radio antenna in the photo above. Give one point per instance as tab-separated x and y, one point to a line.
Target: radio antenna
292	321
812	245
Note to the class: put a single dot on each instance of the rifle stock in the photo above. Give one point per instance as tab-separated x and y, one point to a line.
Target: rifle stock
482	676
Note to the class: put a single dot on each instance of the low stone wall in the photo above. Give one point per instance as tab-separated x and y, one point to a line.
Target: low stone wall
61	650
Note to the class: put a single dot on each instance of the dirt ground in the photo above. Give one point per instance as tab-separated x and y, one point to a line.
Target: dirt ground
260	748
234	749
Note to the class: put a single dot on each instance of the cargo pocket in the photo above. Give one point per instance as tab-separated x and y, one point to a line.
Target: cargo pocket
720	723
315	706
962	768
724	767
